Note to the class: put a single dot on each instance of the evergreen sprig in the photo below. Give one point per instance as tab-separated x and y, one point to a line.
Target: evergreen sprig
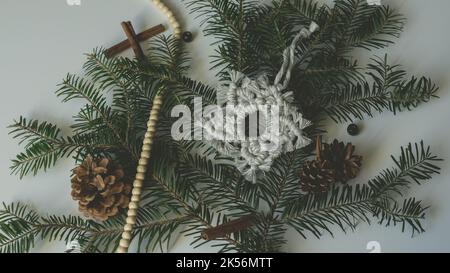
390	90
347	206
22	228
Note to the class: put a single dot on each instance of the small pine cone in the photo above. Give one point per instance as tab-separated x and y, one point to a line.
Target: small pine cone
346	164
100	188
316	176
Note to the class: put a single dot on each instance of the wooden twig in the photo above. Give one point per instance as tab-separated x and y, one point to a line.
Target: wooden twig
132	38
229	228
319	147
124	45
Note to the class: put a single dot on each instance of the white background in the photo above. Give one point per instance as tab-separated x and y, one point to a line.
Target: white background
43	40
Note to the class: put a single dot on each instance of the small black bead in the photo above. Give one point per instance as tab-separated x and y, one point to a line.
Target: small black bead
353	129
188	37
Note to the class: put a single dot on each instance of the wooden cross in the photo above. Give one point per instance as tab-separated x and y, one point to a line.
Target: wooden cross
125	44
133	42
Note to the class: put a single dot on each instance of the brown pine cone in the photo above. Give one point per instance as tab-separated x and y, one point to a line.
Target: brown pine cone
346	164
101	188
317	176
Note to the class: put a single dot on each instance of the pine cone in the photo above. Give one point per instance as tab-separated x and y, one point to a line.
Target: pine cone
100	187
317	176
346	164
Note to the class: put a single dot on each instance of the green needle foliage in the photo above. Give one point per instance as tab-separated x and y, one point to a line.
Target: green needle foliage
188	188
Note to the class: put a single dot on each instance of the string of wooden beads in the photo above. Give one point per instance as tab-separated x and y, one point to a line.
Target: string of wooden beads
172	19
138	184
140	176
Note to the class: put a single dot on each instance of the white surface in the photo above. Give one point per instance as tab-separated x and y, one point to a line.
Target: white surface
43	40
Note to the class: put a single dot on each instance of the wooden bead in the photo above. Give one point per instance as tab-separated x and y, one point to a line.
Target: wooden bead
142	169
146	147
126	236
122	249
176	25
145	154
153	118
137	191
128	227
133	205
123	242
172	20
140	177
143	161
132	213
131	220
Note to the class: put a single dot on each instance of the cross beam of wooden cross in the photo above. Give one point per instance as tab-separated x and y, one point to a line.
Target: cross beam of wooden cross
124	45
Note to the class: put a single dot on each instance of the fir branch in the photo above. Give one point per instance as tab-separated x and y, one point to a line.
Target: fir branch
32	131
305	11
216	190
17	233
415	163
227	21
44	145
200	216
197	89
39	156
278	189
346	206
167	51
355	102
410	94
366	26
20	227
111	75
410	213
389	91
74	87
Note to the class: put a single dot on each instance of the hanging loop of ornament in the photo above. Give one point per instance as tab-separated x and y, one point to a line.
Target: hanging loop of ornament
289	56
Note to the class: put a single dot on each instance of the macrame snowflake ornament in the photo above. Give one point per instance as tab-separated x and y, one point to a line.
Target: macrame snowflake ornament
272	105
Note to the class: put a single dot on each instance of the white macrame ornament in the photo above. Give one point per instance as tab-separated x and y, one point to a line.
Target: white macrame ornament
254	156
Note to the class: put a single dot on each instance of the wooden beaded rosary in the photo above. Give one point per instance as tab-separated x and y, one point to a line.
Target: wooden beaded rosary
132	41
